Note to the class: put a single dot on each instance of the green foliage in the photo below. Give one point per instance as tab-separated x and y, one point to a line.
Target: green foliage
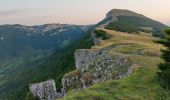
164	73
101	33
123	27
30	96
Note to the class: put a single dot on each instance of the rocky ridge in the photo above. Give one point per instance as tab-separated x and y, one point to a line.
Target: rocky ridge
95	65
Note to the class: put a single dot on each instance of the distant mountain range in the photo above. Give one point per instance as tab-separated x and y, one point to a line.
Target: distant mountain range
15	39
37	53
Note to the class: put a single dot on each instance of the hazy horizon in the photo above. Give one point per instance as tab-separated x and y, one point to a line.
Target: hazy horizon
35	12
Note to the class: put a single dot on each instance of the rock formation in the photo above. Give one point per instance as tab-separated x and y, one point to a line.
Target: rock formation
44	90
95	66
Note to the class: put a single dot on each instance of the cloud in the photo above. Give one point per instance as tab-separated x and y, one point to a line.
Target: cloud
10	12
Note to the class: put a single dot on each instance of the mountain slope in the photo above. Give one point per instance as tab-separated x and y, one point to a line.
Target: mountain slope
128	21
141	84
34	57
17	38
106	78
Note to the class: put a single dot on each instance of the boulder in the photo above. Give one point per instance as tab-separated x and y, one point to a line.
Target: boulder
44	90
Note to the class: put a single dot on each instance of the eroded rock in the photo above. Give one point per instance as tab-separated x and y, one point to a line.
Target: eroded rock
44	90
94	66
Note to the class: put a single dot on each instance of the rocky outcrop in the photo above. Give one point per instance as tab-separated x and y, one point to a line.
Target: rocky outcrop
98	41
44	90
95	66
85	56
92	66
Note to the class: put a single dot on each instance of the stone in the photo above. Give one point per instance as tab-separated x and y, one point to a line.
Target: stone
44	90
98	41
95	66
84	56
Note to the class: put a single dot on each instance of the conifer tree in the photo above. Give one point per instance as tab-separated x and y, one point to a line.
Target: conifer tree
164	67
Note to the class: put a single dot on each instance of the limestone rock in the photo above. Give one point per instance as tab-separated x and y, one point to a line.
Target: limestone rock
97	65
84	56
98	41
44	90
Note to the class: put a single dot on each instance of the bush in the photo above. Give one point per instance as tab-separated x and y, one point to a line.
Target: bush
103	34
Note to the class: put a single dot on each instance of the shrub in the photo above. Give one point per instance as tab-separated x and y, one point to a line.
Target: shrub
103	34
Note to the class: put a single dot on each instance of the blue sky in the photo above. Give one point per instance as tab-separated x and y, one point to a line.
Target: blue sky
31	12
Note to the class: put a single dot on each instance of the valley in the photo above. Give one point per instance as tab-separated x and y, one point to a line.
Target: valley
29	53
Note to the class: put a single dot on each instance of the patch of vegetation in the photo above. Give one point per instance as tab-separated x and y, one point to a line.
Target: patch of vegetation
124	27
103	34
30	96
135	24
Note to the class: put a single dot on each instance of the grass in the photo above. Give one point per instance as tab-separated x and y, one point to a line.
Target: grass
133	24
143	84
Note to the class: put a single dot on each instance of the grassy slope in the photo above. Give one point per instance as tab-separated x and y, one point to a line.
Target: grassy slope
142	84
134	24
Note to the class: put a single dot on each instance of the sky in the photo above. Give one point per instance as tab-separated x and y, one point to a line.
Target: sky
82	12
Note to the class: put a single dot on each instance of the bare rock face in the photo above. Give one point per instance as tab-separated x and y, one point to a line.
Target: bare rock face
44	90
98	41
94	66
84	56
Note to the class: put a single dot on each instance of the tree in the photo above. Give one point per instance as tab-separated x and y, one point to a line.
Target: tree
164	67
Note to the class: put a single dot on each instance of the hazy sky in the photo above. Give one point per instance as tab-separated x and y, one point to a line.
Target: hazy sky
30	12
